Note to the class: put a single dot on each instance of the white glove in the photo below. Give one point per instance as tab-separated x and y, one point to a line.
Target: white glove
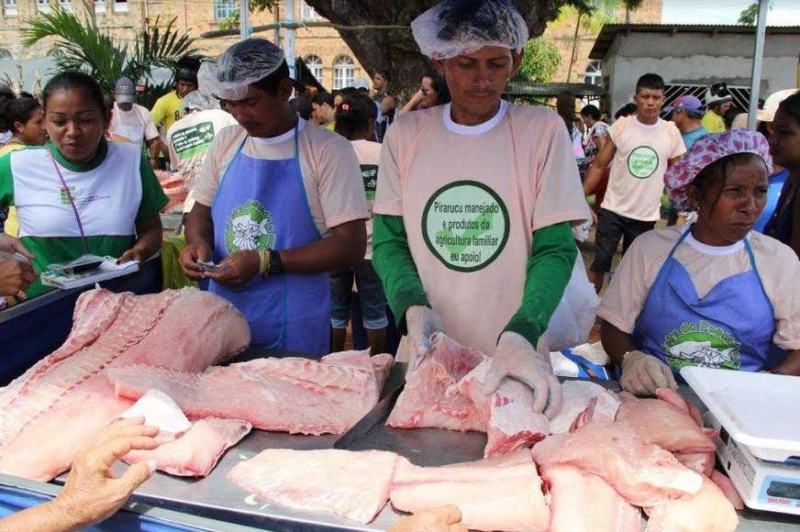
643	374
516	358
421	323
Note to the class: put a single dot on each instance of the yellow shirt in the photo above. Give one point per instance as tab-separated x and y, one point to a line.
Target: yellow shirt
11	225
167	110
713	122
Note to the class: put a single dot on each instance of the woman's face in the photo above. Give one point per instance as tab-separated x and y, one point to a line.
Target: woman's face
32	132
75	123
784	140
429	93
729	210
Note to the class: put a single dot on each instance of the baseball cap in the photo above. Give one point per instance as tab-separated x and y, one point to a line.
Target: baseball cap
124	91
687	102
767	114
718	93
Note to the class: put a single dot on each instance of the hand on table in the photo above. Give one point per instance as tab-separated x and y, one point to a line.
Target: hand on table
643	374
516	358
441	519
15	277
190	255
421	323
139	255
92	491
237	269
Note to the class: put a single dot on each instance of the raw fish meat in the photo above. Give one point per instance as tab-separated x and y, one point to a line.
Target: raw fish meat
510	420
707	511
503	493
159	410
581	502
67	393
351	484
702	463
197	451
643	473
295	395
583	401
424	401
659	422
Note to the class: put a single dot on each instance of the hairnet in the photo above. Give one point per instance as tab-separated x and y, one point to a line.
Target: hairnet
198	101
240	65
460	27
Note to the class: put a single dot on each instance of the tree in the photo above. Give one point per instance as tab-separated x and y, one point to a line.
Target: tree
80	45
540	62
750	14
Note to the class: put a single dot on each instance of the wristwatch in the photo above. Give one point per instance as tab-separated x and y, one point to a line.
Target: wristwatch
275	262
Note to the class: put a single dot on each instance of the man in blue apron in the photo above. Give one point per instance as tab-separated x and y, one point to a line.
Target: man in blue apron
278	205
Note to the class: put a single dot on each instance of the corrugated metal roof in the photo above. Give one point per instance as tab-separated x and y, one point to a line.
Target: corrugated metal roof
610	31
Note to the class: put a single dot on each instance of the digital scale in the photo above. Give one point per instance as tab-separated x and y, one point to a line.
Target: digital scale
759	433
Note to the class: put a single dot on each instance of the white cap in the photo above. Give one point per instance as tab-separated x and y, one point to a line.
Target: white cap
767	114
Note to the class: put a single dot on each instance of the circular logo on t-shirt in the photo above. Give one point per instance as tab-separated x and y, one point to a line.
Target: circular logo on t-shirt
466	225
642	162
249	227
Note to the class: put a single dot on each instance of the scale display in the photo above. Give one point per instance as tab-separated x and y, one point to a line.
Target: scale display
785	490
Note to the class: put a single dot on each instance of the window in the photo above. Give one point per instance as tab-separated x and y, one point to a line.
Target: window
10	8
120	6
314	64
593	74
99	6
43	6
66	5
344	72
224	9
307	12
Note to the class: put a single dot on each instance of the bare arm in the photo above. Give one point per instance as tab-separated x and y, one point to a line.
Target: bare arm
790	366
615	342
199	233
344	247
674	160
599	164
413	102
148	241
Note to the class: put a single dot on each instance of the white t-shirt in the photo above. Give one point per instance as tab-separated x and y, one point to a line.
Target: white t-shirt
637	170
331	175
777	265
135	125
369	158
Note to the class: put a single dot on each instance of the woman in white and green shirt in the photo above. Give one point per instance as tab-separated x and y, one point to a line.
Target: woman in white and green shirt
79	193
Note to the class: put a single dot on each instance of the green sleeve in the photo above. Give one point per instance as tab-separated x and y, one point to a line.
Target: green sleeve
392	260
548	272
153	197
6	181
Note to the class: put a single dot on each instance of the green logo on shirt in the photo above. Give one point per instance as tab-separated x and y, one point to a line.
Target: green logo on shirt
465	225
249	227
642	162
369	173
701	344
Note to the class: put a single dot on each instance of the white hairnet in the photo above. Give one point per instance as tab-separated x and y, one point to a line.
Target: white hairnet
198	101
460	27
240	65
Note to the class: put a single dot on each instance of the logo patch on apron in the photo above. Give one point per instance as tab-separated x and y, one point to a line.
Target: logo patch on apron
249	227
702	344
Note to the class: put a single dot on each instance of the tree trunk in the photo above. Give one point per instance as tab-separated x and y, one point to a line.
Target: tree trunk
395	50
574	55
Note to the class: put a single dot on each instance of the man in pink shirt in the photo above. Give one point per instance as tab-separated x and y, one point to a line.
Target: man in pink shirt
472	232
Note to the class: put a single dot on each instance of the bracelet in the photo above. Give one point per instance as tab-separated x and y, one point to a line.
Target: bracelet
263	262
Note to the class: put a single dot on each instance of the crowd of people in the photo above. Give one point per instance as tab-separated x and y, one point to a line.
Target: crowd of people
457	202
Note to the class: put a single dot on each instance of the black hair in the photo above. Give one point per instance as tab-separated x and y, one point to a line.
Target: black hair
707	176
791	106
26	94
439	84
271	83
697	115
189	61
651	81
18	110
730	115
565	107
321	98
383	73
344	93
186	74
72	79
592	111
353	116
301	106
458	17
626	110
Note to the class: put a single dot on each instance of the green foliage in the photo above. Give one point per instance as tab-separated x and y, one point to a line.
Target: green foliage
230	23
82	46
749	15
540	62
588	7
261	5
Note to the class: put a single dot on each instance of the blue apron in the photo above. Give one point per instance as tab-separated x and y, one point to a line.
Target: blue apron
262	204
731	327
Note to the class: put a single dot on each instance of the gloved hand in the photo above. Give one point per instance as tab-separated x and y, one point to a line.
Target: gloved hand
421	323
643	374
516	358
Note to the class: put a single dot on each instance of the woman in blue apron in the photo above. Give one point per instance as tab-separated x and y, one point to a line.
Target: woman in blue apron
718	296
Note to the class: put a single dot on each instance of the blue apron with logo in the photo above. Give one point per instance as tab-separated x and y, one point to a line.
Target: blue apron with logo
262	204
731	327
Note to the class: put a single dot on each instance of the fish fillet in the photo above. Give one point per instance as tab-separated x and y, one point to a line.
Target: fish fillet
707	511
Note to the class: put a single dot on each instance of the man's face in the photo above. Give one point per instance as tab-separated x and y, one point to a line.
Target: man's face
258	111
379	82
477	80
648	103
125	106
184	87
321	113
679	119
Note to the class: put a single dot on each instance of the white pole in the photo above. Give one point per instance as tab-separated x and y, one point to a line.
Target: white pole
288	45
758	59
244	28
